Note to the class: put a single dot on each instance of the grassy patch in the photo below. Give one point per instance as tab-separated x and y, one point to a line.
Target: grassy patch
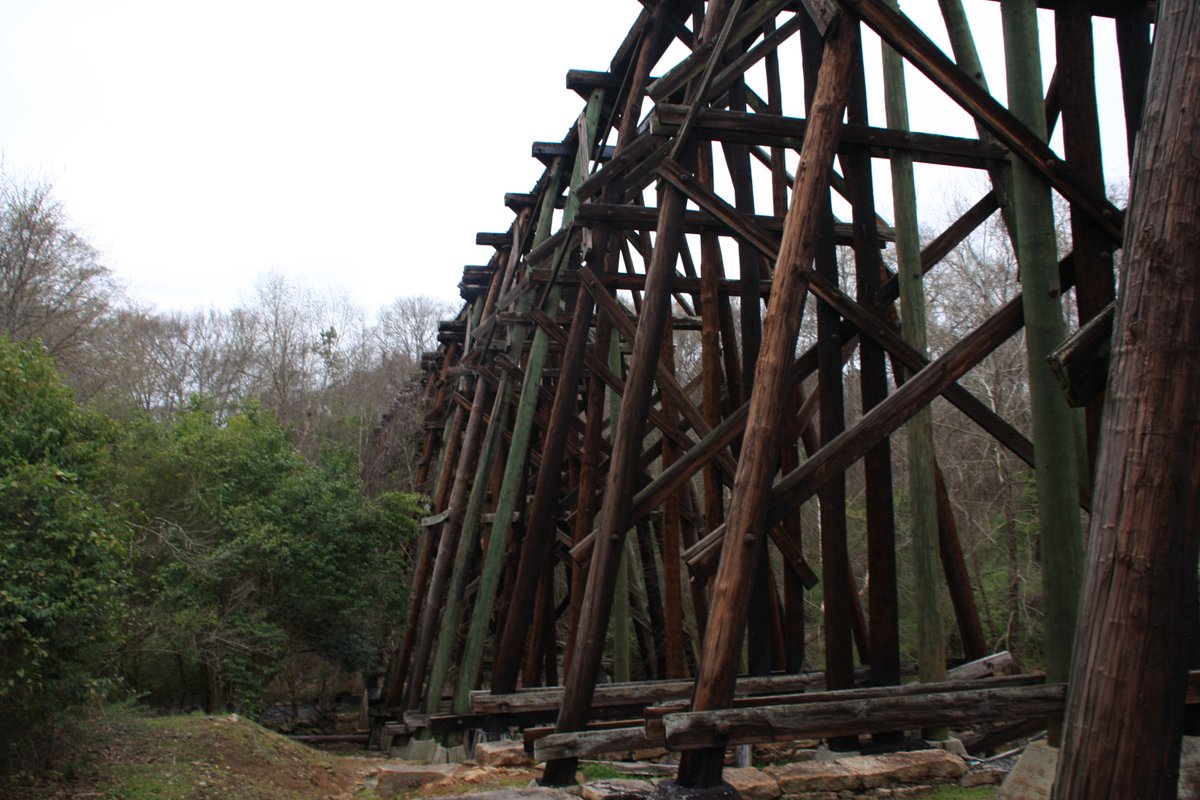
128	756
599	771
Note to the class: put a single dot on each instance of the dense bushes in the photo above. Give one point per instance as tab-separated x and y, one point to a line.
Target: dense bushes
252	554
62	545
187	558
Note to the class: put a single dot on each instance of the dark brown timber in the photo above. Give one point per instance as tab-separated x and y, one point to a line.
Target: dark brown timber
1124	716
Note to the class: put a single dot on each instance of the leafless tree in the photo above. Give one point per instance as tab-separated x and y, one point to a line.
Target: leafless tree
53	287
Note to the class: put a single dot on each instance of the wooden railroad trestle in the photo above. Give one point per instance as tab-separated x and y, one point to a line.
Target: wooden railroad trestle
582	464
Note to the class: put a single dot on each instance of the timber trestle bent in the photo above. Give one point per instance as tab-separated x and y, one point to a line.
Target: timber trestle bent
681	430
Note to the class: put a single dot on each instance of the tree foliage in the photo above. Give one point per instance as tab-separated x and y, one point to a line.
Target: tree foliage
62	542
248	553
200	525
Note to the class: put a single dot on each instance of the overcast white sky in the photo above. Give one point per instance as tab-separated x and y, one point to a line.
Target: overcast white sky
356	145
359	144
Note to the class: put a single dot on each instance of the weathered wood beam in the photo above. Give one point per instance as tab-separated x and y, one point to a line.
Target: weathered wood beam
1054	423
614	519
899	31
760	446
643	218
921	461
802	483
955	706
788	132
882	593
1095	286
1081	362
1130	665
635	693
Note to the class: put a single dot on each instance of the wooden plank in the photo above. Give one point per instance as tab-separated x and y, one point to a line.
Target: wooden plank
493	239
581	744
957	707
436	519
601	739
548	151
634	693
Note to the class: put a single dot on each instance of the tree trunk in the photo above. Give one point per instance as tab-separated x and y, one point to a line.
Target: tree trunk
1125	709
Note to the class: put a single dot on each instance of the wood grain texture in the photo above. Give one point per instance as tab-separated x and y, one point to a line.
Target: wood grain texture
1124	716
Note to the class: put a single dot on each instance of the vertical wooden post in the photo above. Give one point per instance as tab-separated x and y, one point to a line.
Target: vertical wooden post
1057	473
619	622
468	546
589	480
1092	249
737	157
931	644
518	452
1133	46
448	543
746	525
673	665
837	578
958	581
793	584
884	625
614	514
425	558
1126	701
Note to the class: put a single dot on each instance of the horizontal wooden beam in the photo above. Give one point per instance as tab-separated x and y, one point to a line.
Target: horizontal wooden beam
919	50
643	218
548	151
644	693
1081	362
493	239
780	131
636	282
949	704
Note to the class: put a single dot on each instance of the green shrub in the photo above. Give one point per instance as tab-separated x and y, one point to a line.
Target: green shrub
62	545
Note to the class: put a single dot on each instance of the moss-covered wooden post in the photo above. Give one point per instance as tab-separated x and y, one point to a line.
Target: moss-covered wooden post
1054	422
931	643
518	451
476	492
